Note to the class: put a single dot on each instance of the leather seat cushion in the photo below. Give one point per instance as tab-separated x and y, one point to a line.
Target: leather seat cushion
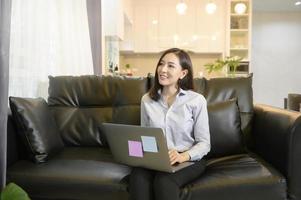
238	177
90	173
76	173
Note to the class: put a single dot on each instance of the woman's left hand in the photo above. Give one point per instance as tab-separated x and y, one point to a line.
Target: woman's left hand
176	157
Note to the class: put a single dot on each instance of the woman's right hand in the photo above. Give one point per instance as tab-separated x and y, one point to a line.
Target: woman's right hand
176	157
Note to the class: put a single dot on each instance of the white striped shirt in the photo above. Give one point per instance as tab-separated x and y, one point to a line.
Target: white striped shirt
185	123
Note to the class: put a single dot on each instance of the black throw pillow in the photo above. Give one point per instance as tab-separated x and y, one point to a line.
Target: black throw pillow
37	127
225	129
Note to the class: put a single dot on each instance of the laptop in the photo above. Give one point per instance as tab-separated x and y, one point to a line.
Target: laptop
140	147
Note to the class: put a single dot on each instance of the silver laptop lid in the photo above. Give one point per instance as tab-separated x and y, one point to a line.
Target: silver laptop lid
140	147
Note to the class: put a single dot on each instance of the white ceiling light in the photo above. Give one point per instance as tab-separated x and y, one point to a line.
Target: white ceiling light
175	37
240	8
211	8
181	7
155	22
298	3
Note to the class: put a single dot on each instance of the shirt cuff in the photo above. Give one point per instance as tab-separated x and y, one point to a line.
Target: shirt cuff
197	153
193	155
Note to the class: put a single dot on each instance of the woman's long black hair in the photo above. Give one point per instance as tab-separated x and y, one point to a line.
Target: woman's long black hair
186	83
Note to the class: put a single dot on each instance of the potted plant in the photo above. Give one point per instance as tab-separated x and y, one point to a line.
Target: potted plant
128	70
13	192
229	64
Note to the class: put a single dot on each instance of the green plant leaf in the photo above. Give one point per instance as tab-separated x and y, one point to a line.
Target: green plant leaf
216	66
13	192
128	66
233	63
219	64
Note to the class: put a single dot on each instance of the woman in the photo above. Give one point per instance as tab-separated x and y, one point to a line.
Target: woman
182	114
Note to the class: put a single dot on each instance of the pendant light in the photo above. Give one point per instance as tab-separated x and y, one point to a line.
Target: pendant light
211	7
181	7
240	8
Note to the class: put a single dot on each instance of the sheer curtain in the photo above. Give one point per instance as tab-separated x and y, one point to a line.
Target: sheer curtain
5	10
47	38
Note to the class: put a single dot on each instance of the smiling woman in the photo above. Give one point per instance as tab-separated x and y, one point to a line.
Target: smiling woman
179	73
172	105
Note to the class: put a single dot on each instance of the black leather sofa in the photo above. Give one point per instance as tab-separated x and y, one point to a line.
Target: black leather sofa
268	168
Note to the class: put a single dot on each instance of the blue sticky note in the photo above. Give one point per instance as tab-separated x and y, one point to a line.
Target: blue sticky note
149	144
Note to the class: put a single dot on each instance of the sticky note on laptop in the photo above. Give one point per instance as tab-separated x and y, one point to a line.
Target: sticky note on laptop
135	148
149	144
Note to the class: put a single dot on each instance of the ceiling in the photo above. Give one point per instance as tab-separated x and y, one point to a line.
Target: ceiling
275	5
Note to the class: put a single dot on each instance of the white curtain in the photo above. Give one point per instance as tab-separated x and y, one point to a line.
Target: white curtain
48	37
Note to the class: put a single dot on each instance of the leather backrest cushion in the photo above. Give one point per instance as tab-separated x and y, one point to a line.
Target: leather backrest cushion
200	85
79	126
37	127
222	89
80	91
225	129
80	104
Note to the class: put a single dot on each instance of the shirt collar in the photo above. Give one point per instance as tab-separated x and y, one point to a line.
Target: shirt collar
181	92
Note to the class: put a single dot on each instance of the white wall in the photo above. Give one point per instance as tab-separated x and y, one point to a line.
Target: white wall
276	56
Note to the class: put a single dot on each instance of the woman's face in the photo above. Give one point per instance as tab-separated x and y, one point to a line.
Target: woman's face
170	71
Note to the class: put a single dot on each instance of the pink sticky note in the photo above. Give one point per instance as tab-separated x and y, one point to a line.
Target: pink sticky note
135	148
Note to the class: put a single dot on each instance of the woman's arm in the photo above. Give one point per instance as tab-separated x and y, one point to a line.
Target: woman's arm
143	114
200	131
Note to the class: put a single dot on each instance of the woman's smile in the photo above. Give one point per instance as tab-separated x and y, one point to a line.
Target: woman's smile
163	76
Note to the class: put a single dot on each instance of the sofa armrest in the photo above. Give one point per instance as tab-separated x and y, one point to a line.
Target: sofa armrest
276	137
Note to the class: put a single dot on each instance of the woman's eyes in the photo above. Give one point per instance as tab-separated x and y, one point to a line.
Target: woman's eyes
169	65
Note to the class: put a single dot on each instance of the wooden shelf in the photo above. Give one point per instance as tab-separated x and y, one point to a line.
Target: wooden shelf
242	1
239	49
239	31
239	15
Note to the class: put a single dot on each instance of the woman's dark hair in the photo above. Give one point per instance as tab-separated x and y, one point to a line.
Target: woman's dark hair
186	83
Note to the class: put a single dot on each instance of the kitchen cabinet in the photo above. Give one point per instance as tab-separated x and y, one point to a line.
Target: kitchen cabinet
176	30
211	28
145	29
157	26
